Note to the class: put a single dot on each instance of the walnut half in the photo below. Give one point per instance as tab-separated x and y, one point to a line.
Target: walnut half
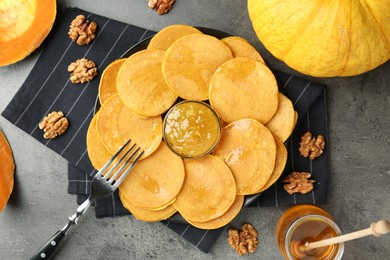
81	30
310	146
298	182
161	6
54	124
82	70
243	241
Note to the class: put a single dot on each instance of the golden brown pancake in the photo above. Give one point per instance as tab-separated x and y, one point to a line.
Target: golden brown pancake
244	88
208	190
249	149
241	48
107	86
283	122
155	182
191	61
141	85
116	124
145	214
97	152
224	219
164	38
280	163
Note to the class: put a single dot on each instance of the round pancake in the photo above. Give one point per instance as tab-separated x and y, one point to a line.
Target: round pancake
224	219
191	61
164	38
208	190
249	150
116	124
107	86
241	48
283	122
97	152
141	85
280	163
155	181
244	88
145	214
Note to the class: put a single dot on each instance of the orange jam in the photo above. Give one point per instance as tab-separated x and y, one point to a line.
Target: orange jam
191	129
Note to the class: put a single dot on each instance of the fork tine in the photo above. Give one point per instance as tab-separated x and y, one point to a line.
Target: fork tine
124	165
104	168
108	174
123	176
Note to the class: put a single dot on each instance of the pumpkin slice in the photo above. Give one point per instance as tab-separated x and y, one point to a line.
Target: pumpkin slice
224	219
280	163
97	152
249	150
7	168
23	27
155	182
241	48
283	122
190	63
141	85
145	214
107	86
244	88
164	38
208	190
116	124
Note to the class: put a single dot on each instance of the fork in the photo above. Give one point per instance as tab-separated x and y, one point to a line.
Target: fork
102	185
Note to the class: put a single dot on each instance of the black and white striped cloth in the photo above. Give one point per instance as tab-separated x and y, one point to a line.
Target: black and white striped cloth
47	88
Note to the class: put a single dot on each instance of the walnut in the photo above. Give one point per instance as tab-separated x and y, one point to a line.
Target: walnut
83	70
54	124
244	241
161	6
298	182
311	146
82	30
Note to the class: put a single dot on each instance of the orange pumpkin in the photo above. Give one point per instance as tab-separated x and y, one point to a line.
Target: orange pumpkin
23	27
7	168
324	38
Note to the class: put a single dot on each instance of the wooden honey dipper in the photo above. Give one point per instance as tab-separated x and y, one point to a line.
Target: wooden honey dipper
377	229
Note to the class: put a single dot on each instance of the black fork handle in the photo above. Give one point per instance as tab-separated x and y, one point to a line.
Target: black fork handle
48	249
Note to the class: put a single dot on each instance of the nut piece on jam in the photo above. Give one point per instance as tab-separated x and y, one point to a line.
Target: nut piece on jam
191	129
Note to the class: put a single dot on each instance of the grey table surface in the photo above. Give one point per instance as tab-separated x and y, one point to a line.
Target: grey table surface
359	133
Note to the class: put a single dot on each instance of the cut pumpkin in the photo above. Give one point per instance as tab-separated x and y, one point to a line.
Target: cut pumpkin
23	27
7	168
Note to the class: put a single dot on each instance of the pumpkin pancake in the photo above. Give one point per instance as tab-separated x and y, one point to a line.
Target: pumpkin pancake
145	214
116	124
283	122
249	150
241	48
190	63
155	182
244	88
280	163
208	190
97	152
107	86
141	85
224	219
164	38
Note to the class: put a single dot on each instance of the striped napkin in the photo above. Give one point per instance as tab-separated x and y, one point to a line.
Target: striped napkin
47	88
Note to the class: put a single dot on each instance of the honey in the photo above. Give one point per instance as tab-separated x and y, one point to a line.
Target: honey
191	129
307	223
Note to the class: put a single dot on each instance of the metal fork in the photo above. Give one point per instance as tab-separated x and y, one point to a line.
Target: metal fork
103	184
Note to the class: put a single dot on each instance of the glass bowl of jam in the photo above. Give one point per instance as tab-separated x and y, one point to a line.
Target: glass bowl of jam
191	129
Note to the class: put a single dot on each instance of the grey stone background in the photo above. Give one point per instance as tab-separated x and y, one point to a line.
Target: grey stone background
359	130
